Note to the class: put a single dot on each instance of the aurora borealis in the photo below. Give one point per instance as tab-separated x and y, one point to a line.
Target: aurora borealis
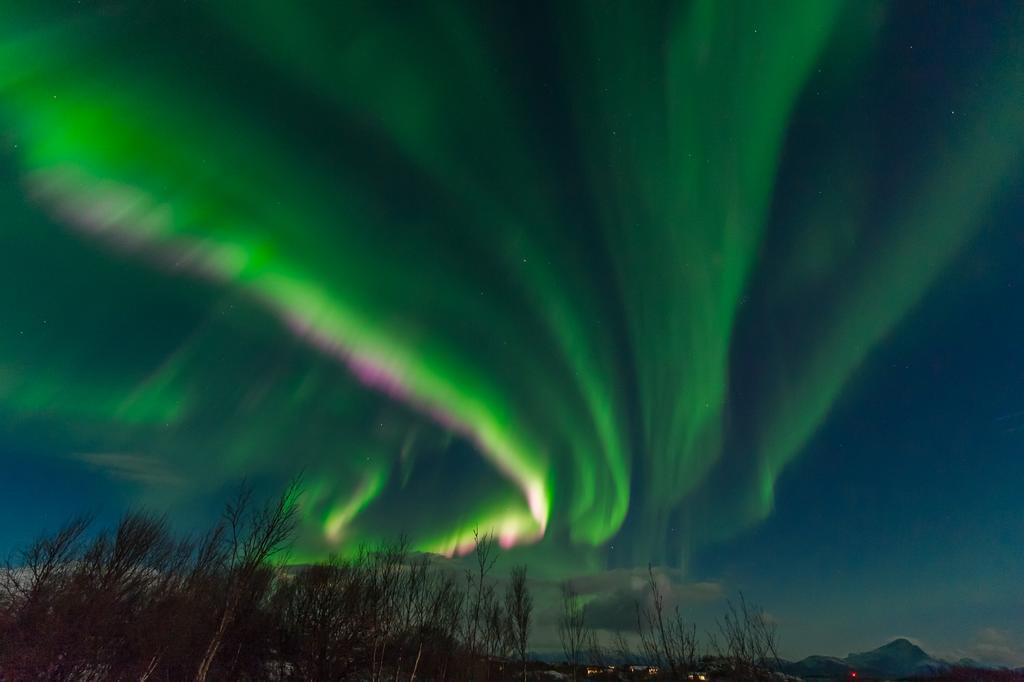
592	275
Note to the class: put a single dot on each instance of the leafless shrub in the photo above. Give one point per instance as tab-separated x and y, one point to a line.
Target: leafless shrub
666	639
519	607
746	642
572	629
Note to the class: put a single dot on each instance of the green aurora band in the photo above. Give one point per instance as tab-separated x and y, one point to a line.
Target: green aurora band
457	285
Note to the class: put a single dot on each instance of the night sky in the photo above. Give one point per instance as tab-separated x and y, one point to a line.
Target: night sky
733	288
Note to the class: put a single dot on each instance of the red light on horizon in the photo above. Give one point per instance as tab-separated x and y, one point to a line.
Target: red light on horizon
853	673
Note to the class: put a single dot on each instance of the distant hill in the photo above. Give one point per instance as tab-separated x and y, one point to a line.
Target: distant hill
899	658
828	667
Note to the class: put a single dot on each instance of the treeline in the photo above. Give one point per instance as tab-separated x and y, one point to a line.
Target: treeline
139	603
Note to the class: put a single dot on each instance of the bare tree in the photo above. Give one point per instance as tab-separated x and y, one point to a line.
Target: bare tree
519	607
37	568
666	639
746	642
255	535
323	618
33	588
572	629
384	593
595	652
438	621
622	649
485	554
496	640
451	612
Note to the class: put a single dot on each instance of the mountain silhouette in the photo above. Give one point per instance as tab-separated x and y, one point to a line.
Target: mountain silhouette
899	658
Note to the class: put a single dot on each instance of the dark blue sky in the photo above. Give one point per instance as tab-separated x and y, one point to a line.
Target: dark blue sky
904	517
733	288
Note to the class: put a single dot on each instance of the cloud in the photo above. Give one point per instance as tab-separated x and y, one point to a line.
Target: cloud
611	597
131	467
998	647
990	646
